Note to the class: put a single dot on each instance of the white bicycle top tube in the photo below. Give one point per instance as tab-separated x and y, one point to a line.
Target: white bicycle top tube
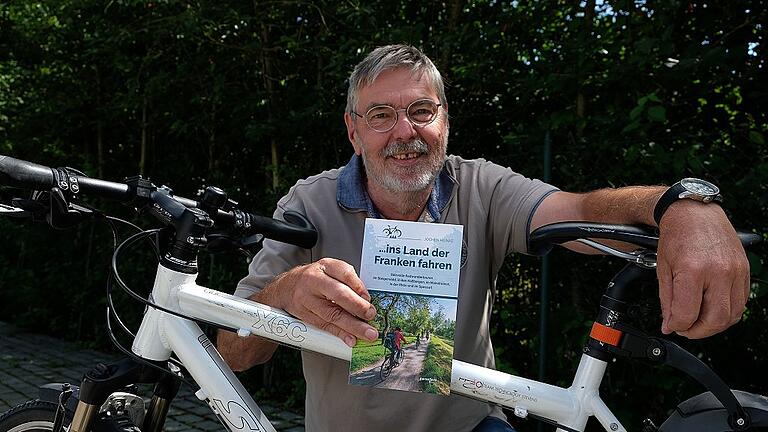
250	317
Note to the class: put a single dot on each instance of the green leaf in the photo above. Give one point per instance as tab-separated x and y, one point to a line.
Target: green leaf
653	97
756	137
755	263
657	113
630	127
636	111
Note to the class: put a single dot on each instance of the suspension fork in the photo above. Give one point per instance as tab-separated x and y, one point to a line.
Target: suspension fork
103	380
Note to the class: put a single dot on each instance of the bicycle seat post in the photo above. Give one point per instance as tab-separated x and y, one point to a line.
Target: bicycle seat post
613	306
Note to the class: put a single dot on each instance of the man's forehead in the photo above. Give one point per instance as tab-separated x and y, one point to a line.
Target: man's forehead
399	86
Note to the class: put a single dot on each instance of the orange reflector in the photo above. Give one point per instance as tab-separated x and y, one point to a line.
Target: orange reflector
604	334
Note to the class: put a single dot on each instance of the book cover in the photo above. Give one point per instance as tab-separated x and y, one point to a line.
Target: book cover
411	270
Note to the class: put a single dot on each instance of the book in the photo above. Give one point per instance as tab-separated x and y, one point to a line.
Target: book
411	270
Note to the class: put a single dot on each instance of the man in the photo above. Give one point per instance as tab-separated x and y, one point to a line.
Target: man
399	339
397	122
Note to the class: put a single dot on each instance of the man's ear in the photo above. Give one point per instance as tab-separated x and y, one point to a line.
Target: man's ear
352	133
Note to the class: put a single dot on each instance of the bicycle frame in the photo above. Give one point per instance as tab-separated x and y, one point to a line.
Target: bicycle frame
161	334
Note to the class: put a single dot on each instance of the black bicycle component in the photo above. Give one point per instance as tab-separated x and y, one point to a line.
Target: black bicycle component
23	174
28	208
649	426
105	379
140	192
705	413
633	343
544	238
213	200
680	359
190	226
64	214
61	411
613	307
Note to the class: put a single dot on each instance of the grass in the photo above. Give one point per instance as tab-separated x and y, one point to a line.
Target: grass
436	374
365	353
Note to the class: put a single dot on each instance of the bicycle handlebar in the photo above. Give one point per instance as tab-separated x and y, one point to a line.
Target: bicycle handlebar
544	238
296	230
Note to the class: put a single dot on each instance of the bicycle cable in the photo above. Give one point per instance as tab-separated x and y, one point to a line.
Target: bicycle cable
118	251
180	375
112	311
129	242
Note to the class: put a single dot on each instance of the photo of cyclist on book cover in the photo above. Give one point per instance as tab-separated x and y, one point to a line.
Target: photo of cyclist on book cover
415	345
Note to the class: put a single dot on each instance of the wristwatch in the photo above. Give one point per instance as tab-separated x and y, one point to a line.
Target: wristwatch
687	188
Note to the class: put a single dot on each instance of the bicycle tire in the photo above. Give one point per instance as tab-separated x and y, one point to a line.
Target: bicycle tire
386	367
37	416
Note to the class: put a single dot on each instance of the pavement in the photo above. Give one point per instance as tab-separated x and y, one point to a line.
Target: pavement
29	360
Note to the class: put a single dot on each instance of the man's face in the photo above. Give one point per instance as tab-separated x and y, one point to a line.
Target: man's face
406	158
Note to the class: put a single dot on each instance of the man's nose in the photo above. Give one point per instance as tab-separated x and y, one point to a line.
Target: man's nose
404	130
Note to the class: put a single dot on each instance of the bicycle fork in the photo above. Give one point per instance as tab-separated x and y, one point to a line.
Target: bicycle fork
103	380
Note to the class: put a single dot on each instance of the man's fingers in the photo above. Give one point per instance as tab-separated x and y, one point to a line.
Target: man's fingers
347	299
311	318
344	288
739	297
714	317
333	316
664	274
683	310
344	273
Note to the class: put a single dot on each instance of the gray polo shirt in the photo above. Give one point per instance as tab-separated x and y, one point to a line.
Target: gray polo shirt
494	204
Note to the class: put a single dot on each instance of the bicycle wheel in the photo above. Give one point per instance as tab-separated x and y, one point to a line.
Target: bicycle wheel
386	367
38	416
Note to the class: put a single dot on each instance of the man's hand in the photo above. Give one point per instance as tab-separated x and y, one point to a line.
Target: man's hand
327	294
703	270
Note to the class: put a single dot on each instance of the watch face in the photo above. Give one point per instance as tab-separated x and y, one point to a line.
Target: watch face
700	187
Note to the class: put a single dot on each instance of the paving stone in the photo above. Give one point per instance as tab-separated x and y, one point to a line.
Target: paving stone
285	415
280	424
209	425
28	361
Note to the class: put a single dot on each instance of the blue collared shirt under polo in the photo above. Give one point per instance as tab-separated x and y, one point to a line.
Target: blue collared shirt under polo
351	193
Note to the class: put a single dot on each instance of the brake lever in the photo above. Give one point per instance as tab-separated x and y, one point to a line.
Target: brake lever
220	243
14	212
64	214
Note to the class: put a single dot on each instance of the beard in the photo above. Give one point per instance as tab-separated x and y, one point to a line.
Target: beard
415	178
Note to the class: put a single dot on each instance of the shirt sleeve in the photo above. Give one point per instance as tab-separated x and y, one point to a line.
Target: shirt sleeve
513	202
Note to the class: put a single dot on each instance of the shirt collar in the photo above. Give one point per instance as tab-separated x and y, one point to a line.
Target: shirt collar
351	193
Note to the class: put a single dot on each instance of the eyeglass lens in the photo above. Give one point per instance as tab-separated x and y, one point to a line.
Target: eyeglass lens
383	117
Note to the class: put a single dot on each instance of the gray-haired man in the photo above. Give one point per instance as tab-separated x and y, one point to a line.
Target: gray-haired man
397	122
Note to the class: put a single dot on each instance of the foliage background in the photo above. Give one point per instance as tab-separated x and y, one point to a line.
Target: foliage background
249	96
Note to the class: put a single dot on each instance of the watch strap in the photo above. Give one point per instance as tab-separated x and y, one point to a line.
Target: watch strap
672	195
667	198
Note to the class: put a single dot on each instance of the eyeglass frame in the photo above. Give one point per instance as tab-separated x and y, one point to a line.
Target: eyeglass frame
397	115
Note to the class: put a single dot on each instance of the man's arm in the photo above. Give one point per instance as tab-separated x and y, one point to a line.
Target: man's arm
702	268
327	294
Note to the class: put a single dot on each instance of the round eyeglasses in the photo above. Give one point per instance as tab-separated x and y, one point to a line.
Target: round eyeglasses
382	118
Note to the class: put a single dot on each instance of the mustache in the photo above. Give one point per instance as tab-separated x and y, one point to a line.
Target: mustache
415	146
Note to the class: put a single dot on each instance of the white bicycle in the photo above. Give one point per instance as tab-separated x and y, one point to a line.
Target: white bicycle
101	402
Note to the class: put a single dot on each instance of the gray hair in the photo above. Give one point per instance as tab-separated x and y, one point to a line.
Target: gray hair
392	57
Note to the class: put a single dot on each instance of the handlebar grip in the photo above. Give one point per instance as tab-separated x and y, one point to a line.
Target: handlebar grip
749	238
296	230
23	174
